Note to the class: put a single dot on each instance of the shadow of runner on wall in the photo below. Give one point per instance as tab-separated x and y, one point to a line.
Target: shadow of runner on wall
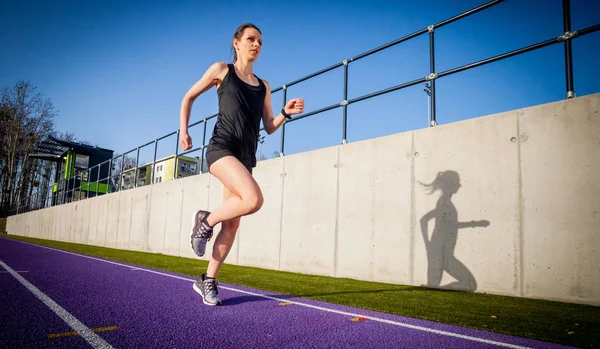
440	248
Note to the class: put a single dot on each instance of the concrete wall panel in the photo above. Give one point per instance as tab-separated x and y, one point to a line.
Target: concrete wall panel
195	197
259	233
157	217
65	222
112	219
173	232
85	220
140	213
102	221
308	224
124	219
466	174
93	230
374	219
76	222
560	143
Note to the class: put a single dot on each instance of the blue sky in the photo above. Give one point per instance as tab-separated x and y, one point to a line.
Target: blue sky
116	71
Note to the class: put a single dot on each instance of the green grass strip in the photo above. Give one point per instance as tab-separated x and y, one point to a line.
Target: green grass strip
564	323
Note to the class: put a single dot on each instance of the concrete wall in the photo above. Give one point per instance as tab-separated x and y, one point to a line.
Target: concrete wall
505	204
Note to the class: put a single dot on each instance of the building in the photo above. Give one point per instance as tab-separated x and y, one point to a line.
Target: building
164	171
74	163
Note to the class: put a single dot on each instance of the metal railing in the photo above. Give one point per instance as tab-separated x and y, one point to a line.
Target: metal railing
429	80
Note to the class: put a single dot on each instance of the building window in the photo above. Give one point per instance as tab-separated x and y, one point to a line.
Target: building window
82	161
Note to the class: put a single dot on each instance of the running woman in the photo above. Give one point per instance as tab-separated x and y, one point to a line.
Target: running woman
244	100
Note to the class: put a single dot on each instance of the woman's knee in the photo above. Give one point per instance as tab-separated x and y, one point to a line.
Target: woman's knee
254	201
232	173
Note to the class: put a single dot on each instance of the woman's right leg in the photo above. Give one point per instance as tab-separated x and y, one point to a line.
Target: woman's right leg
247	197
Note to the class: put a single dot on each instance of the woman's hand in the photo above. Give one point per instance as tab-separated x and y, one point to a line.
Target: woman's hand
185	141
294	106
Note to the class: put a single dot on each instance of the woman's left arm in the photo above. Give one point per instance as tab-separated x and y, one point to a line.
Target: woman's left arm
271	122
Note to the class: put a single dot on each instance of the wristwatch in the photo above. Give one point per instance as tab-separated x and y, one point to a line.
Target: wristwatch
288	116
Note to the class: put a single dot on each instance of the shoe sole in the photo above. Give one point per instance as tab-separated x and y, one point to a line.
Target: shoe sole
201	295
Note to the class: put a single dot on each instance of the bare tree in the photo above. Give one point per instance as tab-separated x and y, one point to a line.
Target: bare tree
38	125
67	136
26	118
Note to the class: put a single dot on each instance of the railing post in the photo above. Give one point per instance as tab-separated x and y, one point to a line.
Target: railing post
154	162
89	183
98	178
432	74
427	90
281	148
74	183
176	153
73	187
345	104
109	175
65	184
121	174
568	48
137	164
203	147
80	183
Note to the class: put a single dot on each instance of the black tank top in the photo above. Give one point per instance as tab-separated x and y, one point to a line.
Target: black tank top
238	121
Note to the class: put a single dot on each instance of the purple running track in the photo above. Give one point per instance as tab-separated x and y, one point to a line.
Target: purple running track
143	307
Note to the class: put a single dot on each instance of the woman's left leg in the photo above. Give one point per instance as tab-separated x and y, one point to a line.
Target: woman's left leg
206	284
224	240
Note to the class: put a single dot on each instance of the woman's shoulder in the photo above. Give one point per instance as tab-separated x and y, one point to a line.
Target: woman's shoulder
218	67
217	72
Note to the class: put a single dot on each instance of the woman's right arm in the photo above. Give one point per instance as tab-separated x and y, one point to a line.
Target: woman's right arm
213	76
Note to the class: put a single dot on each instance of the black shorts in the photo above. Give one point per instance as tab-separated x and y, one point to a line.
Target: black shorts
214	152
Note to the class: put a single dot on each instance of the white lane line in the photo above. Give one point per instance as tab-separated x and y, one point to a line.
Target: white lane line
92	338
17	271
390	322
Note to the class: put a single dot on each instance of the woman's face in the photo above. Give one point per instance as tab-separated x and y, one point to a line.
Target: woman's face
250	45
